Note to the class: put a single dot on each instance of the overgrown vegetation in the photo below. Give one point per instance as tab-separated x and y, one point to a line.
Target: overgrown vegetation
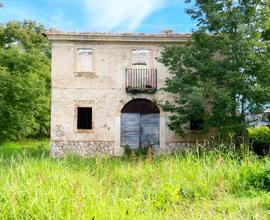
261	134
209	185
224	73
142	151
260	138
24	81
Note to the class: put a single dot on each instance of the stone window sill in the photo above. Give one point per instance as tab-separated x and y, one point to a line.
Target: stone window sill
85	74
81	131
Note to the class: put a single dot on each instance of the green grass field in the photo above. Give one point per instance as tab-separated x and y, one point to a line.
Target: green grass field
212	186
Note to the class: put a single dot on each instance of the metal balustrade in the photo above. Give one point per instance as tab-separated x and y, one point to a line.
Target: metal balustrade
141	80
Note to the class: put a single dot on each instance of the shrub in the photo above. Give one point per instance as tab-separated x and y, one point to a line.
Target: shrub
261	134
260	137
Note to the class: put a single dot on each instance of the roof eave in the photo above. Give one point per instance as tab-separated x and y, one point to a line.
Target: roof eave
107	37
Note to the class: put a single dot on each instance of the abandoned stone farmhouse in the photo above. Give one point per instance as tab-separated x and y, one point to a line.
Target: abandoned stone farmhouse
105	90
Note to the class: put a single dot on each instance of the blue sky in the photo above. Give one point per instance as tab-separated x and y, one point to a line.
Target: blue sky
150	16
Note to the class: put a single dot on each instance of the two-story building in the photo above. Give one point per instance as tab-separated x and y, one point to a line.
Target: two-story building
105	90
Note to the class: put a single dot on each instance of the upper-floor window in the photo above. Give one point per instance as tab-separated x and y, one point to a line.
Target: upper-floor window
84	60
141	58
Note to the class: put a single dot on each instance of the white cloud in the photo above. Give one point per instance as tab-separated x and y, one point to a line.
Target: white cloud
120	15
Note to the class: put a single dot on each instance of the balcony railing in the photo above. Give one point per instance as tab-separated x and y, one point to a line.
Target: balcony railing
141	80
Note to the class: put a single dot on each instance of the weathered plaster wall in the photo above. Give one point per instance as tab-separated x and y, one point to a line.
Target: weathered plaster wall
103	89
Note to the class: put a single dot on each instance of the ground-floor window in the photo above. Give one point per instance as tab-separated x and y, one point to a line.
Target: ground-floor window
196	124
84	118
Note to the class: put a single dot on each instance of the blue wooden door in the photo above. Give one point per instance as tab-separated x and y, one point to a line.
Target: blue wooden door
149	135
139	129
130	130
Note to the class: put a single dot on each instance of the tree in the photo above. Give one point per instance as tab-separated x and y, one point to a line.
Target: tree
224	73
24	80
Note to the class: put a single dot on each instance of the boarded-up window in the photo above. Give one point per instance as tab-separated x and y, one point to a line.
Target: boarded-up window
141	58
84	118
85	60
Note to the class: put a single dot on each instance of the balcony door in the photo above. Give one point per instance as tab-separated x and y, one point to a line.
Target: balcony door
140	124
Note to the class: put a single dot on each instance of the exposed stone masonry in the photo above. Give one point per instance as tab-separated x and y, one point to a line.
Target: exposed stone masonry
172	148
59	149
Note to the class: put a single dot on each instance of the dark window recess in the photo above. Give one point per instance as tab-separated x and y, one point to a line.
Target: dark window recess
196	124
84	118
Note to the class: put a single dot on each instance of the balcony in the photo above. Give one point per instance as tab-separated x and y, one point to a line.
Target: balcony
141	80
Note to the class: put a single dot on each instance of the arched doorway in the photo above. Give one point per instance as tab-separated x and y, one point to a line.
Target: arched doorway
140	124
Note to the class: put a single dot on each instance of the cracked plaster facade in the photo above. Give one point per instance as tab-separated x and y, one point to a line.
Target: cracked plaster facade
103	89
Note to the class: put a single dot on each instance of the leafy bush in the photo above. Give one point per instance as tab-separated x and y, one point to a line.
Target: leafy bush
260	137
261	134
